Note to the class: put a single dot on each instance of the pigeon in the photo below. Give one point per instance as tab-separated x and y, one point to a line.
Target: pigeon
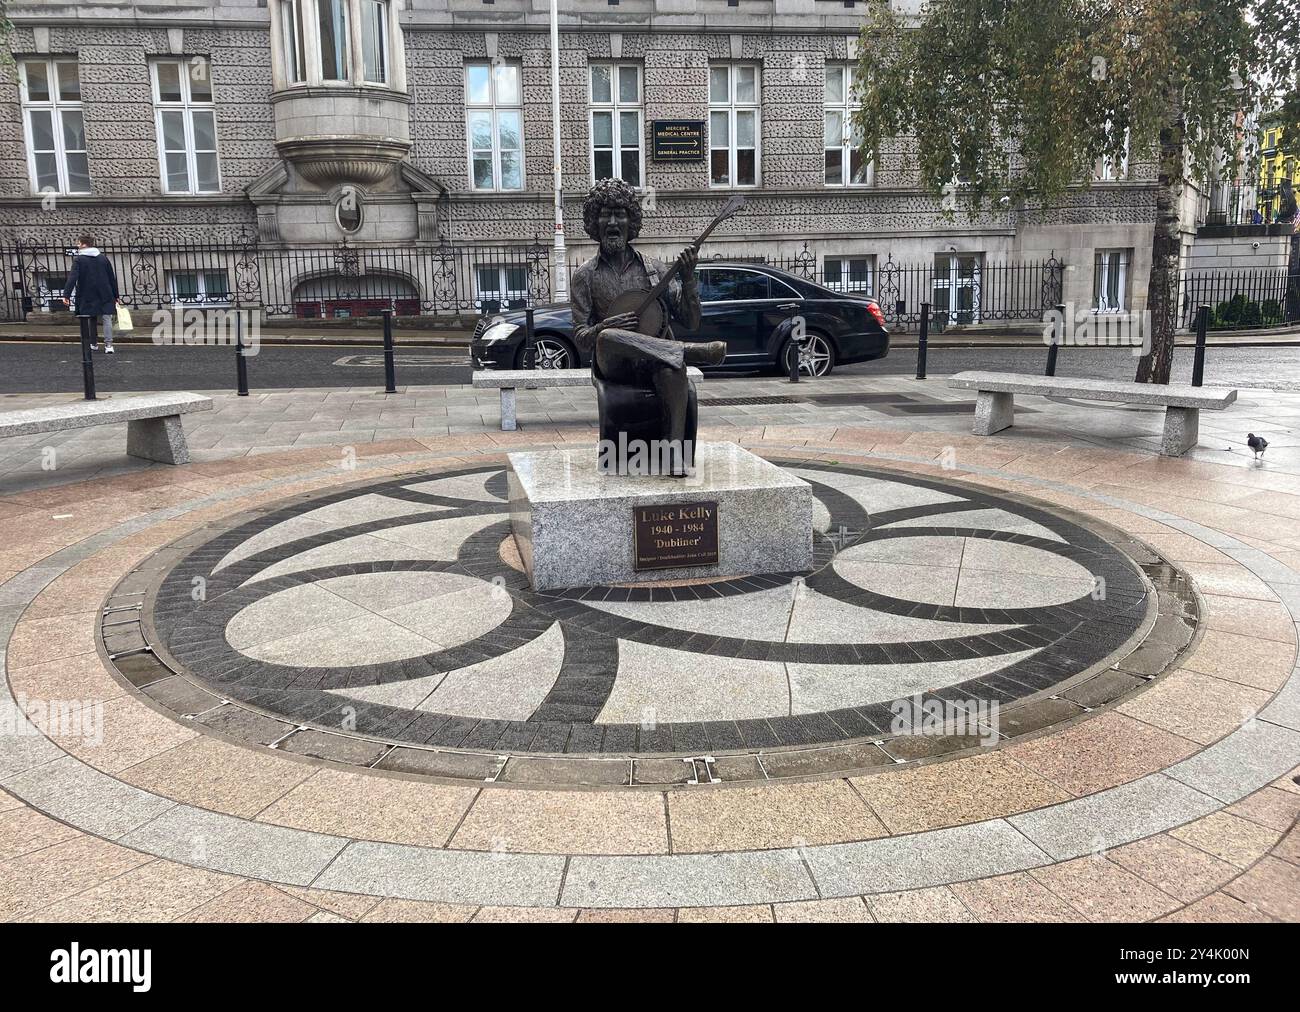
1257	444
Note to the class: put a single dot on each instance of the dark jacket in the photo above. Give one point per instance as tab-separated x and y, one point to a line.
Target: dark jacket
93	280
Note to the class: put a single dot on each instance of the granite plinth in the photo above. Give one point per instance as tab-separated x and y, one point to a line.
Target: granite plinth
574	525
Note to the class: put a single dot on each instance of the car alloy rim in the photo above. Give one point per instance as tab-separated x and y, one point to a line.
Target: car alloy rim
814	356
551	355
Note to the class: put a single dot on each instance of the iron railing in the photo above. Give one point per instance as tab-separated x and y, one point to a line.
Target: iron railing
960	288
442	279
339	281
1240	299
1245	205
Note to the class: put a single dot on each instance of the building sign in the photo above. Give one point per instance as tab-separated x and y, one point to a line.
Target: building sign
675	536
677	140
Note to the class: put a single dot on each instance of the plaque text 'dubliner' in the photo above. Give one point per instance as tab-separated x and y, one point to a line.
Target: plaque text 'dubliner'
675	536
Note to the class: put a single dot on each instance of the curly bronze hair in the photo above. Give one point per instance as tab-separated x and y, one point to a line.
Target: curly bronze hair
617	193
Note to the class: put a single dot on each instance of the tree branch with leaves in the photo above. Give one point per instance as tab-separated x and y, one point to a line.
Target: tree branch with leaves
1019	100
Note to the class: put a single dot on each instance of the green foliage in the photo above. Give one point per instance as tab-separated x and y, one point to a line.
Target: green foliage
1243	312
1020	98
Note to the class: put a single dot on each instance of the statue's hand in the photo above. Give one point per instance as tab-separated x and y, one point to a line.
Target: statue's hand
620	321
687	259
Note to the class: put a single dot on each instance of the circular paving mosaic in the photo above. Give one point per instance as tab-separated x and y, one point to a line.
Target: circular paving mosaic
397	614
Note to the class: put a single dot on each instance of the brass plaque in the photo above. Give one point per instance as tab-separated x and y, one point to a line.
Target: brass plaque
676	536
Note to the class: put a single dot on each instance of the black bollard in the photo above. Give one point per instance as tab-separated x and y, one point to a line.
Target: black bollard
922	341
1198	363
390	369
1055	346
241	361
530	340
87	359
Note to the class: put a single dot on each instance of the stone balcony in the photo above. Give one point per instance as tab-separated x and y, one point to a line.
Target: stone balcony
333	135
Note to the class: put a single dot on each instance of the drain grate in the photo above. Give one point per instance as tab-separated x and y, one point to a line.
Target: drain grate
852	399
939	408
727	402
702	770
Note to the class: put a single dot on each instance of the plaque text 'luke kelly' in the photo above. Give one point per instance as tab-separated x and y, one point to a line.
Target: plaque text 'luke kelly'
675	536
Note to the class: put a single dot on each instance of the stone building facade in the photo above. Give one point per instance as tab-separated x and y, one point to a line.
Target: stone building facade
406	123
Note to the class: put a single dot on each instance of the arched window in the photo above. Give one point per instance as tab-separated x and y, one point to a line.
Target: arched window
340	297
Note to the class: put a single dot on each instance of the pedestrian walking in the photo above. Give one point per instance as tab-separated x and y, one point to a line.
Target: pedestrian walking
94	284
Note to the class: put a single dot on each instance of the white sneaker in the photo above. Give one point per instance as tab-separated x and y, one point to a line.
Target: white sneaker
94	347
108	349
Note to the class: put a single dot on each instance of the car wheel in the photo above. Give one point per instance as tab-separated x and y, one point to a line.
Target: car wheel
551	352
817	356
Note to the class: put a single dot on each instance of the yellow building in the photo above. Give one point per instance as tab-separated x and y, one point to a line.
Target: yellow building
1274	166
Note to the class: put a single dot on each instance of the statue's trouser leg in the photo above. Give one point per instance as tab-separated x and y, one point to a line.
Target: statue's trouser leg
625	356
673	390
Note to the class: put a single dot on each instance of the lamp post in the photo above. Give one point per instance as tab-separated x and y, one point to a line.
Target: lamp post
560	288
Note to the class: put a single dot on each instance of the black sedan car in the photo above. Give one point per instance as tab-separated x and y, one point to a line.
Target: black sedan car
750	306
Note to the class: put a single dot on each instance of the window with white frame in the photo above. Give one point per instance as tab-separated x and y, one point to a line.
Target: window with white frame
955	287
201	287
501	286
733	124
1110	280
616	138
187	126
56	131
494	121
849	273
293	39
335	41
846	163
374	41
1110	169
47	292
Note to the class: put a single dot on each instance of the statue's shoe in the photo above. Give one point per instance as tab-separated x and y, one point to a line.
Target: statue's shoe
706	353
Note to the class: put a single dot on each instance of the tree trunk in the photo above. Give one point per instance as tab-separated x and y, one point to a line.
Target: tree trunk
1166	247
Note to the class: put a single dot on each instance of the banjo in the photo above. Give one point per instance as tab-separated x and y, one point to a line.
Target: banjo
646	305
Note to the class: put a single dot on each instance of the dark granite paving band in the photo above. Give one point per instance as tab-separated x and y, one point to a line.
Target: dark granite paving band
1070	639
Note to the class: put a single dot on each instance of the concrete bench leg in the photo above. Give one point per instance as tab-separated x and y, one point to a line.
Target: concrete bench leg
508	417
1182	429
993	412
160	439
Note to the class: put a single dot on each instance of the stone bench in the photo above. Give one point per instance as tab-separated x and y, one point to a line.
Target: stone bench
153	422
996	391
510	380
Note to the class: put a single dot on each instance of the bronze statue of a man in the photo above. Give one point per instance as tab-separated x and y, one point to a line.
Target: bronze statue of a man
621	353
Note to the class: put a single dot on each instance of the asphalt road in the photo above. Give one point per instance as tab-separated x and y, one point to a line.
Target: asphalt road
28	367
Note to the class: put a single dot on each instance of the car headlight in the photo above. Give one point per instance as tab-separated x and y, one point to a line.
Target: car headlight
499	331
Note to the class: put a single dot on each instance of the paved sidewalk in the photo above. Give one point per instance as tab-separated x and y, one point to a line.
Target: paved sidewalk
1164	790
284	420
